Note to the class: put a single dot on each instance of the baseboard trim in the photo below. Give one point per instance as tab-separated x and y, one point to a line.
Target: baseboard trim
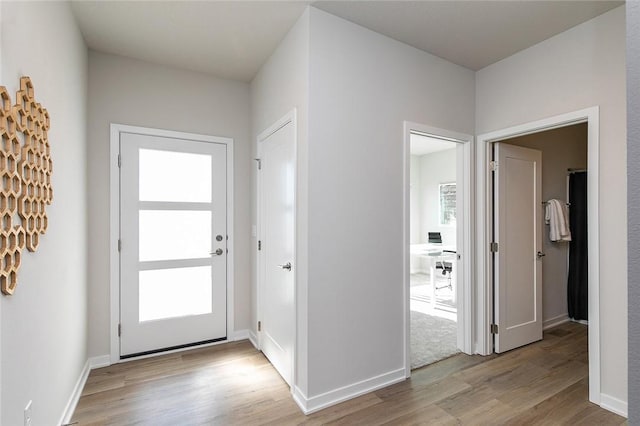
75	394
99	361
555	321
240	335
91	364
614	405
336	396
253	339
584	322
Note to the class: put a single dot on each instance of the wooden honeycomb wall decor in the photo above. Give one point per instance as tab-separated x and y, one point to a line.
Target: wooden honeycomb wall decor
25	179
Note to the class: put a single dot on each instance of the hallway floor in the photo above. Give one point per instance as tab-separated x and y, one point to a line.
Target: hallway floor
233	384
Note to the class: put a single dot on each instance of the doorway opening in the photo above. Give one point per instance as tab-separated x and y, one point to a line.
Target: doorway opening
489	305
564	255
433	256
437	244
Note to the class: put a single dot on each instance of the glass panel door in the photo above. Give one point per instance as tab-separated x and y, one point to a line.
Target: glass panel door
173	231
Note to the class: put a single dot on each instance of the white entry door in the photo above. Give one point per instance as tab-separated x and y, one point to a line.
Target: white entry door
518	232
277	227
173	208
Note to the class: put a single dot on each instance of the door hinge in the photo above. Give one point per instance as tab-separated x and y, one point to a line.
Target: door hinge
119	160
493	247
259	325
494	328
259	245
493	166
119	330
259	161
119	245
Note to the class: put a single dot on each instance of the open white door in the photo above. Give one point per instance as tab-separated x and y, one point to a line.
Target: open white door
518	232
277	247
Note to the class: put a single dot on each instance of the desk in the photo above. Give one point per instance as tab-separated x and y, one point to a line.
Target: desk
435	253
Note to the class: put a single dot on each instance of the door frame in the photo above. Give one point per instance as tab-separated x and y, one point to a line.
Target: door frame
465	297
114	230
485	297
289	117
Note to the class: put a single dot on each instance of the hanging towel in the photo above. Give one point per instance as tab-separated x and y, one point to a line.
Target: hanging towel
556	216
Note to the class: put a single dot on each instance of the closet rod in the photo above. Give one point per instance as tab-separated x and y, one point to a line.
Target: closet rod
544	203
570	171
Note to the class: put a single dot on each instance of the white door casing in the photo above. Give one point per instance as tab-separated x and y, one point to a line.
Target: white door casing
276	257
173	259
518	232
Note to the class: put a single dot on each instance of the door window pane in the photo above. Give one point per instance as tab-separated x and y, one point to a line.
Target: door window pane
174	176
170	293
174	234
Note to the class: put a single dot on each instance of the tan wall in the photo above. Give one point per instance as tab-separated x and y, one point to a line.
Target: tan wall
561	149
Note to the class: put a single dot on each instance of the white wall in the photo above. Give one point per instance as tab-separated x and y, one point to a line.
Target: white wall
1	80
44	324
426	174
579	68
128	91
281	85
633	188
362	86
436	168
415	200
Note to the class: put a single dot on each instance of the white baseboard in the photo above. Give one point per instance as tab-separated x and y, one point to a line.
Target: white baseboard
239	335
253	339
552	322
75	394
614	405
579	321
99	362
90	364
336	396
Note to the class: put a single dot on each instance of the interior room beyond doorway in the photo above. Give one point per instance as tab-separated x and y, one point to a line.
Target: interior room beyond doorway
433	241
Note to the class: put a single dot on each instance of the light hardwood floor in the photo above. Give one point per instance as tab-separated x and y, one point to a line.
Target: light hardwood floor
544	383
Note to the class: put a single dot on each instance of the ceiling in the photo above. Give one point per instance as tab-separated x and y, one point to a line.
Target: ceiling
423	144
232	39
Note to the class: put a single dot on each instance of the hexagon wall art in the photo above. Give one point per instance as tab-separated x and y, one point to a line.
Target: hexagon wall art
25	179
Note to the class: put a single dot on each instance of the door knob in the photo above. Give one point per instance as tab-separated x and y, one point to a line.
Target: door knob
286	266
218	252
541	254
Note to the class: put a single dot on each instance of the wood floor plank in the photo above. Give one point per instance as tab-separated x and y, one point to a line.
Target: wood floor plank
545	383
402	403
492	412
566	407
431	415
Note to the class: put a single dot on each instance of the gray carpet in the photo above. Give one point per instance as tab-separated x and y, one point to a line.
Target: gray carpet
432	339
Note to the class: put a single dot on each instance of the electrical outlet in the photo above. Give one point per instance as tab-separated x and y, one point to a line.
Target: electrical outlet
28	414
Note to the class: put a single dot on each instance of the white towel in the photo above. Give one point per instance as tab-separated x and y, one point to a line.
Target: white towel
558	220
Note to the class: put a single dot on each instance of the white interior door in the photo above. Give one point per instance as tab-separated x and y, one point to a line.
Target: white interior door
518	232
277	236
173	208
